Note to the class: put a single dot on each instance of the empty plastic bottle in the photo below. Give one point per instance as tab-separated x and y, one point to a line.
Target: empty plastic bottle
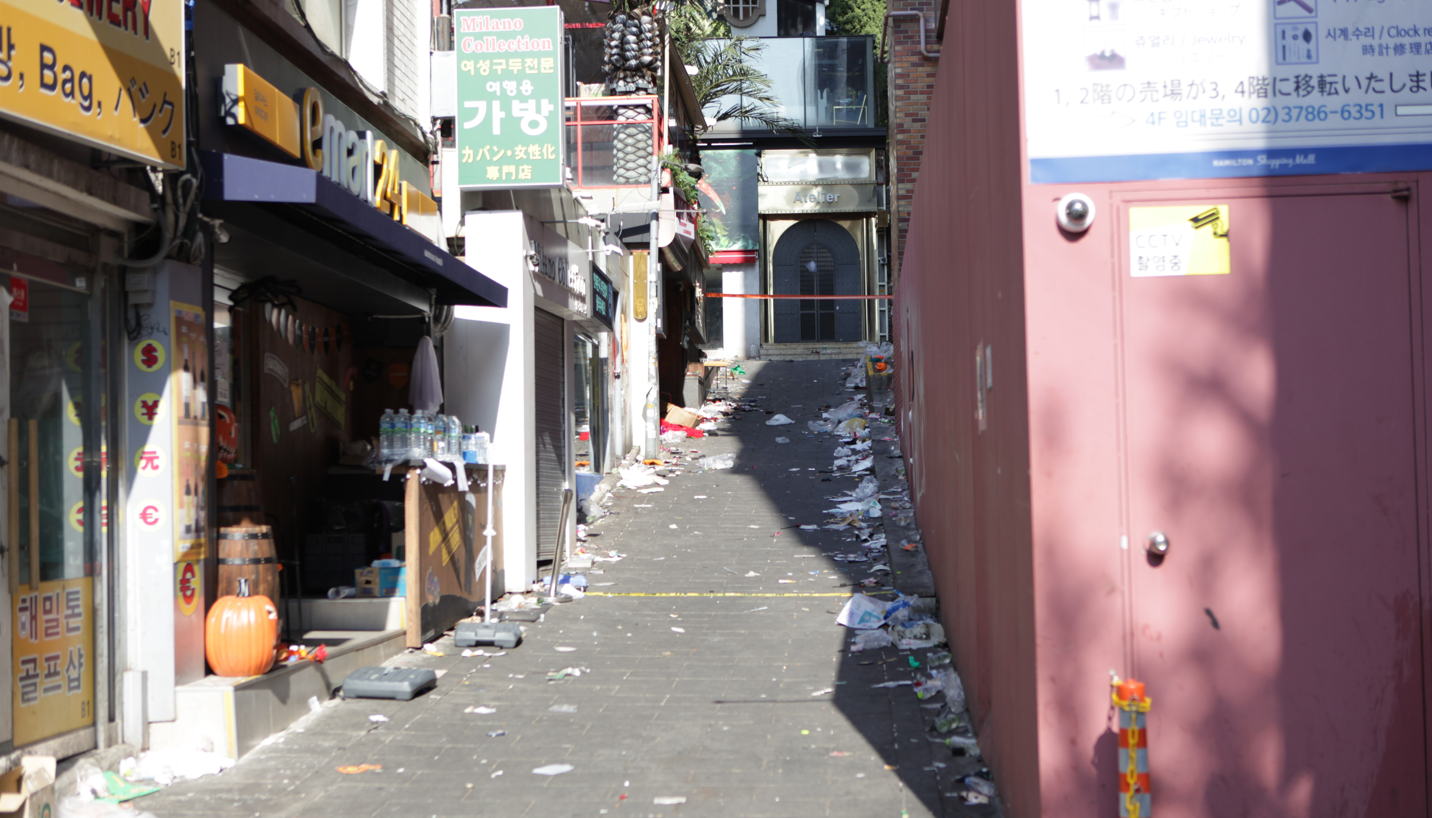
385	435
402	435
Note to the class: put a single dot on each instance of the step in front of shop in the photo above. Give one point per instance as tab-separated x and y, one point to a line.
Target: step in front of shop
812	351
235	715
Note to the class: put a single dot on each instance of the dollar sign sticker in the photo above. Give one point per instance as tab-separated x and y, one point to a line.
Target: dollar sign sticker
149	356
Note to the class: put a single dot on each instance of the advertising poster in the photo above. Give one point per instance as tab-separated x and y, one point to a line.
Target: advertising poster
509	96
189	357
53	646
107	73
1119	90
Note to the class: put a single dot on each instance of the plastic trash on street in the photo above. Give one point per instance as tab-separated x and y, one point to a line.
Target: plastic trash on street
862	612
718	461
779	420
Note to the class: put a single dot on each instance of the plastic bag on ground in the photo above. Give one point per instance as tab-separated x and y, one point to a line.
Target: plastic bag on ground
845	411
868	488
862	612
637	476
164	767
779	420
717	461
871	640
854	427
674	436
819	426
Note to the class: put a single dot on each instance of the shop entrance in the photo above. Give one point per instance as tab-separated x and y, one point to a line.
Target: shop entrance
816	257
53	437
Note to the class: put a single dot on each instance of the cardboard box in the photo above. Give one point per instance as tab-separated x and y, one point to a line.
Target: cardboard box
682	417
380	582
28	791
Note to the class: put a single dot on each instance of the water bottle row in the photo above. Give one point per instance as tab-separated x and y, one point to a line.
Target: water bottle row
403	436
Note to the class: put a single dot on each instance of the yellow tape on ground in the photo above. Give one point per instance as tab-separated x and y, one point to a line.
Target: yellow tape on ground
611	593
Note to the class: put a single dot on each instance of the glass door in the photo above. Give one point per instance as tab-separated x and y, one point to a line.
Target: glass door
54	464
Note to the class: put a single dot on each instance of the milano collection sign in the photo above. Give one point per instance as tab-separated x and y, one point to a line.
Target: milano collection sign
509	97
109	74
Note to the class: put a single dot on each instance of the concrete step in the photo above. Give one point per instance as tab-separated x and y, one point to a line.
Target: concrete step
234	715
812	351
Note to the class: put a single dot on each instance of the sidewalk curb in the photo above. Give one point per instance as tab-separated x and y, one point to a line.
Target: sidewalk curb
911	568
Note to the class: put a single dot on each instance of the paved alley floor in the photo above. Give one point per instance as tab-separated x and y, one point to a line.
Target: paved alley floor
716	681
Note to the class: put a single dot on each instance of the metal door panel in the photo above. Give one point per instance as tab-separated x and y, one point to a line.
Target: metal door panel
1269	418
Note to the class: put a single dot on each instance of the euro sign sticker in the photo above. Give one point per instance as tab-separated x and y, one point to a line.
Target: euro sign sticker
149	356
150	515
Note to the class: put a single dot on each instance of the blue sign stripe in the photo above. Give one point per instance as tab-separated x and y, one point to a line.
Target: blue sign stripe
1258	162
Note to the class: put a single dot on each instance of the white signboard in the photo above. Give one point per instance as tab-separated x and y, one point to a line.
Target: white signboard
1120	90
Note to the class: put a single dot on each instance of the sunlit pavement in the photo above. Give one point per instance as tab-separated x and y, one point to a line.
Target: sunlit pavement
716	680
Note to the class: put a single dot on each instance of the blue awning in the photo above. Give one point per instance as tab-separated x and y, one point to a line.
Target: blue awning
385	243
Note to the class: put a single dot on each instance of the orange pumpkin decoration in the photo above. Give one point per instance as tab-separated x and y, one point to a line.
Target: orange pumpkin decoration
240	632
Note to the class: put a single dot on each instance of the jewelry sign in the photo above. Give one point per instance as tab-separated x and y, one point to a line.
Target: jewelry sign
509	94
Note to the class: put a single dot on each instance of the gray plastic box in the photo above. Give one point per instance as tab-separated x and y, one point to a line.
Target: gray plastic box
501	634
401	683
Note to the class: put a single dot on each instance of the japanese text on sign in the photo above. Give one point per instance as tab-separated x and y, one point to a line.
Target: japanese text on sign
1131	89
509	128
107	73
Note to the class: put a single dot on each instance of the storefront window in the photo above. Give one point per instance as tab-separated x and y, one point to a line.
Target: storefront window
55	467
590	406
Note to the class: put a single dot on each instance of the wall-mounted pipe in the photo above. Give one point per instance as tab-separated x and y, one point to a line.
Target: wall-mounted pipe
885	34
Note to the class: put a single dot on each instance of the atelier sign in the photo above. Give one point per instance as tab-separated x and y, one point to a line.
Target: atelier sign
816	199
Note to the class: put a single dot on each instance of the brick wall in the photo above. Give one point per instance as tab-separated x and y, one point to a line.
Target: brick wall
911	80
402	39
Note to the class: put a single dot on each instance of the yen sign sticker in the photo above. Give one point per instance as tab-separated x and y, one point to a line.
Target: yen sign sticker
146	409
149	356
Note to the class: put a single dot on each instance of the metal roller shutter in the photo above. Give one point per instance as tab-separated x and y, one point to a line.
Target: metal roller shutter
549	343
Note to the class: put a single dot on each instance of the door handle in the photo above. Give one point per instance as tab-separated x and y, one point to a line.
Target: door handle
1157	544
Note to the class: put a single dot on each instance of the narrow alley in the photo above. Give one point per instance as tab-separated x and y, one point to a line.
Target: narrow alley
711	677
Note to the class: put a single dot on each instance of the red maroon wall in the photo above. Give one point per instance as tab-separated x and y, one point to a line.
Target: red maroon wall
1023	520
961	286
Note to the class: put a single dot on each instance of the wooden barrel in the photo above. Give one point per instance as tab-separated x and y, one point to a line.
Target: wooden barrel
247	552
239	500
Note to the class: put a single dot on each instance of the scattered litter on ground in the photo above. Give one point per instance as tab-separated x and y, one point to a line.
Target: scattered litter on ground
669	800
678	630
779	420
358	769
377	718
554	769
481	710
563	708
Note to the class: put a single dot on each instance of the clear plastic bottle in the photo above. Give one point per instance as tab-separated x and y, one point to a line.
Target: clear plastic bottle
469	444
420	444
402	435
385	436
454	433
440	447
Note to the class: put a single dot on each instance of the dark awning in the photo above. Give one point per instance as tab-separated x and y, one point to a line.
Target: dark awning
265	194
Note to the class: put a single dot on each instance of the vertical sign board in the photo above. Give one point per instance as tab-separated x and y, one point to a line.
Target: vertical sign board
509	97
1119	91
190	414
603	299
54	682
107	73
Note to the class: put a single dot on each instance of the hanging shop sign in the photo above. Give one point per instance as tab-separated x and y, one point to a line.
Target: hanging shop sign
361	163
816	198
509	97
603	298
109	73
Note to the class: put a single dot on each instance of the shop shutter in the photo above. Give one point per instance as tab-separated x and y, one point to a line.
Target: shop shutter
549	342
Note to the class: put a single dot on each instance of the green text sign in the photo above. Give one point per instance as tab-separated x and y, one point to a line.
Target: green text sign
509	92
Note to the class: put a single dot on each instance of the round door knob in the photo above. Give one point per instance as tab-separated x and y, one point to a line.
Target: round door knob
1157	544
